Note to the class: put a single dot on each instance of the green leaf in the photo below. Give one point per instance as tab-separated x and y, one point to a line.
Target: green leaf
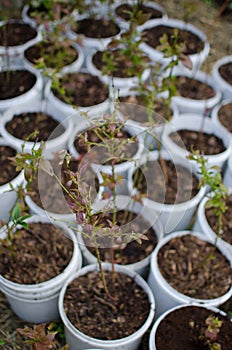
16	212
23	218
23	223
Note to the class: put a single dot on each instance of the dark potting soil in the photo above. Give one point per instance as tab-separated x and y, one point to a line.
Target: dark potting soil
15	83
40	253
46	192
208	144
134	107
134	226
193	89
186	328
96	28
124	11
192	43
123	68
225	116
8	170
82	89
24	124
16	33
92	312
226	72
212	219
122	145
178	185
195	268
54	56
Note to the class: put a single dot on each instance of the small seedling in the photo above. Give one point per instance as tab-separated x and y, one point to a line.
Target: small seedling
209	333
129	52
213	328
41	337
95	225
211	177
29	163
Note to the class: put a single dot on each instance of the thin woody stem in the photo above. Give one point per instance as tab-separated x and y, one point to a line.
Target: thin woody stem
65	189
102	273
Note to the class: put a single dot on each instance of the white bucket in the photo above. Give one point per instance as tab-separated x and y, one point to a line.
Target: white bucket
81	341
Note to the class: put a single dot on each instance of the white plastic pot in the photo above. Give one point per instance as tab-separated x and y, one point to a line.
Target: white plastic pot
173	217
115	82
53	144
68	217
223	85
197	59
88	43
152	336
148	132
125	24
202	225
44	309
30	97
189	105
75	66
46	292
196	123
81	341
34	23
7	196
76	112
168	297
215	111
126	202
15	53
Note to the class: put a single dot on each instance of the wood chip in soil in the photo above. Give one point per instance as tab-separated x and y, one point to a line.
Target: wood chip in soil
92	312
195	268
40	253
